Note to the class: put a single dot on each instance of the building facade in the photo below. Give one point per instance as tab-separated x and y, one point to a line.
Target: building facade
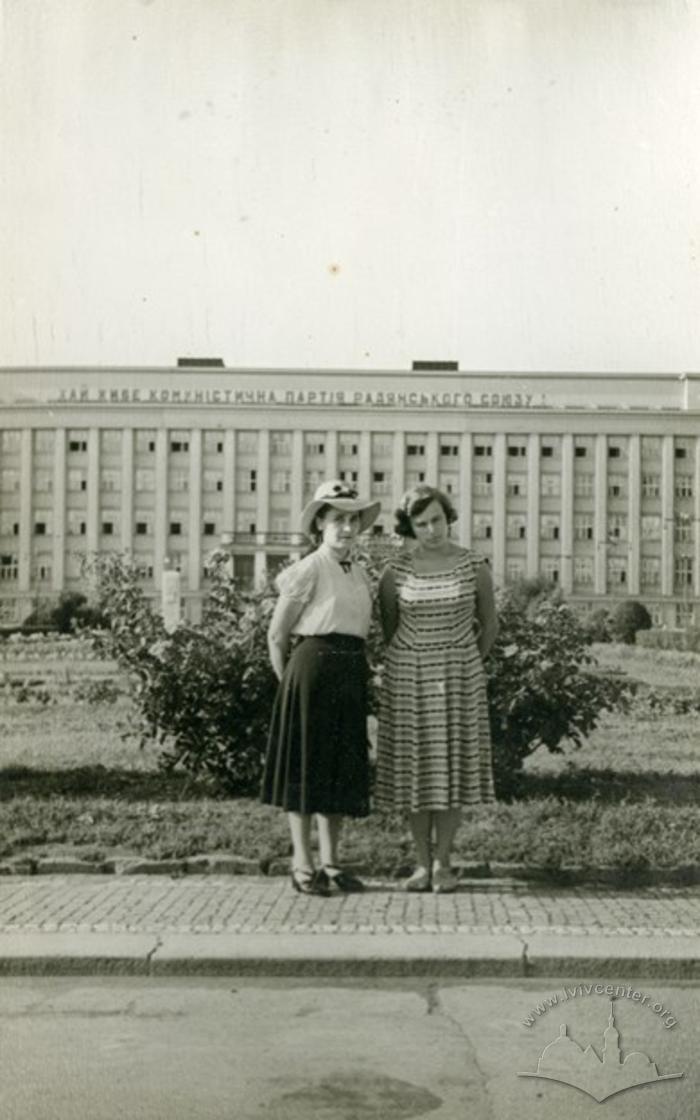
592	481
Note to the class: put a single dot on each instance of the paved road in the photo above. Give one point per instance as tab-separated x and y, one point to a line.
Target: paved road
155	1049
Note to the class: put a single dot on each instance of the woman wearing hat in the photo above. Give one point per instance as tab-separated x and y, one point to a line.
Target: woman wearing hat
434	742
317	758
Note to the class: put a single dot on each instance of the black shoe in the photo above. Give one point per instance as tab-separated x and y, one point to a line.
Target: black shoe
337	881
309	882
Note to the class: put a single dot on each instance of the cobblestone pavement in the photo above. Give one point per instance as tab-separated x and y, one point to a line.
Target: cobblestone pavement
242	904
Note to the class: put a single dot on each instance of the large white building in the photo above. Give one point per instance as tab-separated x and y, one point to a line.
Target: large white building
593	481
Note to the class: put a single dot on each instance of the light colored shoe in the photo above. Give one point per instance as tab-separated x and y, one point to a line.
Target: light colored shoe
444	880
418	881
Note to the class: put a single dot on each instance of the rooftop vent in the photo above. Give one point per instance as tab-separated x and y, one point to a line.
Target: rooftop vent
424	365
200	363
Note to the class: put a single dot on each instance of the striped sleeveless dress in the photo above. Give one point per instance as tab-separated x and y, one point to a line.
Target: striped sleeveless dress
434	741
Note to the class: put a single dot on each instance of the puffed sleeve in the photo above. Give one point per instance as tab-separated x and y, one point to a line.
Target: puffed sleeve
298	581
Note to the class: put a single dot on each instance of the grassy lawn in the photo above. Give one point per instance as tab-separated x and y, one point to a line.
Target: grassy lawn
630	797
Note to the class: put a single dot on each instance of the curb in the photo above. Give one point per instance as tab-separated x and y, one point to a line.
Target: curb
318	956
222	864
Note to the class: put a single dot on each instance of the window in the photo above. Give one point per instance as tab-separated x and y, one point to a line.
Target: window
247	442
515	569
245	521
77	445
516	485
349	445
617	571
8	526
549	527
107	528
682	529
43	482
211	481
680	452
312	479
448	483
209	528
583	570
9	481
110	481
381	445
684	486
280	482
279	523
547	451
651	485
415	449
39	528
583	485
314	445
517	450
651	447
482	527
252	481
617	486
447	449
213	443
8	567
145	480
175	528
414	478
179	482
583	527
550	485
685	615
683	572
617	527
77	526
41	569
482	449
348	476
10	441
550	568
580	452
483	483
179	443
614	452
77	480
380	482
651	527
143	528
280	443
145	441
650	571
377	530
516	527
43	440
111	441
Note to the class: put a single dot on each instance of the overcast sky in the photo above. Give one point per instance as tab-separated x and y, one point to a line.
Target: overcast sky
352	183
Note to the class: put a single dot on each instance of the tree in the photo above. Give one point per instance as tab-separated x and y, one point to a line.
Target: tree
629	617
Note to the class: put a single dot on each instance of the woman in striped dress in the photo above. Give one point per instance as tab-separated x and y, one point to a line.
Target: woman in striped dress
434	744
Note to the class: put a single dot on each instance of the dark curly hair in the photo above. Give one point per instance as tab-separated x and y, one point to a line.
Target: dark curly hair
415	501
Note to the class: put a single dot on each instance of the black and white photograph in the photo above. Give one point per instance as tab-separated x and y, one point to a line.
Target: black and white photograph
349	559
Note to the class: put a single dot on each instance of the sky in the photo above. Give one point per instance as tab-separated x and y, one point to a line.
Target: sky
512	184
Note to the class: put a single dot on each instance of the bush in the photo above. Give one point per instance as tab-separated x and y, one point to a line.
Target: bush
204	692
71	612
598	626
543	687
629	617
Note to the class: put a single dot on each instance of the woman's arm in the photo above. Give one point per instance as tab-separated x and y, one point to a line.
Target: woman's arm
284	616
485	610
388	604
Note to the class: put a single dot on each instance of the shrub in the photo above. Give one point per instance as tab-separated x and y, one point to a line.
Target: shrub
203	692
597	626
543	686
687	640
629	617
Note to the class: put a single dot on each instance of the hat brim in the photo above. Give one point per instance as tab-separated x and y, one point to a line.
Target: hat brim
368	511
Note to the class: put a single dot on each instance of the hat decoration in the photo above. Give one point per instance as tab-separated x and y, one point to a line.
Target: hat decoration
340	496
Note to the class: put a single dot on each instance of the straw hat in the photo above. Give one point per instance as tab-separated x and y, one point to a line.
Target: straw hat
340	496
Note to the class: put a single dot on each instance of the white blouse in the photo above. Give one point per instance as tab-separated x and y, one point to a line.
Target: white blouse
335	601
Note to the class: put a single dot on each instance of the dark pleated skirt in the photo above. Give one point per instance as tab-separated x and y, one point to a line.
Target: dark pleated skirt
317	754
